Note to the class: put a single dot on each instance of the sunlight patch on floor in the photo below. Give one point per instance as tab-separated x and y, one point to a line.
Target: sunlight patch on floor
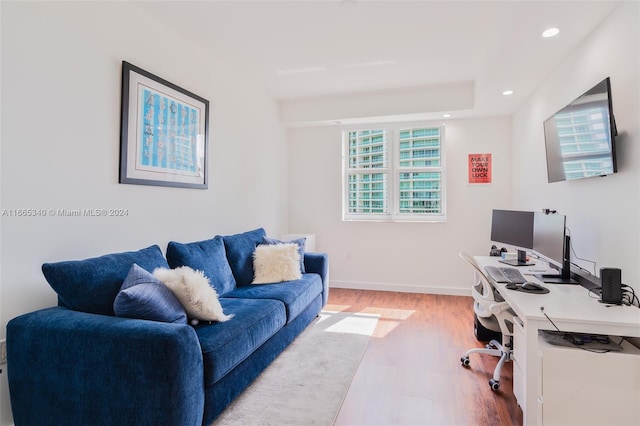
384	328
353	323
386	320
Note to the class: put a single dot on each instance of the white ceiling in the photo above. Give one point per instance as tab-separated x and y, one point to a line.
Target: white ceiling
300	49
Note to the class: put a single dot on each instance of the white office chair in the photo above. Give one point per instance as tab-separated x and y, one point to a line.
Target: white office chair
493	313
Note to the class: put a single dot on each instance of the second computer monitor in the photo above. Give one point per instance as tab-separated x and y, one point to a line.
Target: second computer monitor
552	244
548	237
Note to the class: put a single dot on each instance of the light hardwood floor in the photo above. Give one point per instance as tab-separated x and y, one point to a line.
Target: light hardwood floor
411	374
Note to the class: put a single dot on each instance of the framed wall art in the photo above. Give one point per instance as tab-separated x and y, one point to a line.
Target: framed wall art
164	132
480	168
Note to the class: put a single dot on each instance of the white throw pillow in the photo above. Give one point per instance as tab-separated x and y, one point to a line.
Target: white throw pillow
275	263
193	290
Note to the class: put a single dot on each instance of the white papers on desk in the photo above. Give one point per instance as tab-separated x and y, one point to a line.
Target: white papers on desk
538	270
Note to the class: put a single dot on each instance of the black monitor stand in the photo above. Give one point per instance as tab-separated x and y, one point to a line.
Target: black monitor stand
520	261
564	277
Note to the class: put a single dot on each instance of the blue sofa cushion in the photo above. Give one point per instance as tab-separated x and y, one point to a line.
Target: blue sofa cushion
91	285
143	296
296	295
299	242
240	248
226	344
208	256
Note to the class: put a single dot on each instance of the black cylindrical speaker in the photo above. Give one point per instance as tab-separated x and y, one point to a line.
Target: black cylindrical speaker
611	281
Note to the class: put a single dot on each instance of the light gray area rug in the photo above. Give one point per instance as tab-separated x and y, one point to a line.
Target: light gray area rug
308	382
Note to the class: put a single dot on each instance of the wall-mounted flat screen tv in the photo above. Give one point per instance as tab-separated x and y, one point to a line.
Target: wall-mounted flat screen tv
580	138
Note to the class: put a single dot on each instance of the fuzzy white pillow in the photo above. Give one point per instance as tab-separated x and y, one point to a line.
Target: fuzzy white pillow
275	263
193	290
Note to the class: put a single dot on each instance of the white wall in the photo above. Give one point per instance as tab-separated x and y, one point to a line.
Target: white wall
61	72
603	214
370	106
418	257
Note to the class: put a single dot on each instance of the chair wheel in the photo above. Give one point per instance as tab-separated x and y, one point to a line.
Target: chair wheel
465	361
494	384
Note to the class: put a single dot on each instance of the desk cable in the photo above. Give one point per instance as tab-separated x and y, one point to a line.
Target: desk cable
629	297
630	294
569	337
575	256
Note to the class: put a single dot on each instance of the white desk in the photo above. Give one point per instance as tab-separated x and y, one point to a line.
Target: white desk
572	309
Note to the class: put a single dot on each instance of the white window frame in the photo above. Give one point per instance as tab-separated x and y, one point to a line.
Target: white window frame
393	175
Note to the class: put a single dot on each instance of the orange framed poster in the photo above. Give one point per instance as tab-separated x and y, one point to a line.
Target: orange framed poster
479	168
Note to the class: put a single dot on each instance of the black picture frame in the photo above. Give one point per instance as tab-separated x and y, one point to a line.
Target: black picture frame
164	132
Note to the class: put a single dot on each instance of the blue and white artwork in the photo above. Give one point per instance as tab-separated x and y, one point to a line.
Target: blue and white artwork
169	133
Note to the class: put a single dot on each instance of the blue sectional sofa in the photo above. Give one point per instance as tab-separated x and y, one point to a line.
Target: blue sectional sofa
79	364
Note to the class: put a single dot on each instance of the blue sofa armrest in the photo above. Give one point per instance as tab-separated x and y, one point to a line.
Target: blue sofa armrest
318	263
70	368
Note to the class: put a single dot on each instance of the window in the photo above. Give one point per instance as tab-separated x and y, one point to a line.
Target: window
394	174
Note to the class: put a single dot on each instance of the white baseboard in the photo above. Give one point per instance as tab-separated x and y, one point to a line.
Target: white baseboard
402	288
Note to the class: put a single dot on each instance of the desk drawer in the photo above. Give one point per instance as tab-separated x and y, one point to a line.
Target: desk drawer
587	388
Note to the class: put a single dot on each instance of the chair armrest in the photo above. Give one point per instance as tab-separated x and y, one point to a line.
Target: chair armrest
503	313
318	263
66	367
497	308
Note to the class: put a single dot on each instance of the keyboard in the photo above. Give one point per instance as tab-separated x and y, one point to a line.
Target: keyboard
504	274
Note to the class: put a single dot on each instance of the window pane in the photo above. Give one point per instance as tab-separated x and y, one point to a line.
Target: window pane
420	147
420	192
369	193
368	149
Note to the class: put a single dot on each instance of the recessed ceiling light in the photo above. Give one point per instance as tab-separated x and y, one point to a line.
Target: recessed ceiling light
550	32
446	115
507	92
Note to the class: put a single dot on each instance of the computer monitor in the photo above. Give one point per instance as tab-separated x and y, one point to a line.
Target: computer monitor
513	228
551	244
